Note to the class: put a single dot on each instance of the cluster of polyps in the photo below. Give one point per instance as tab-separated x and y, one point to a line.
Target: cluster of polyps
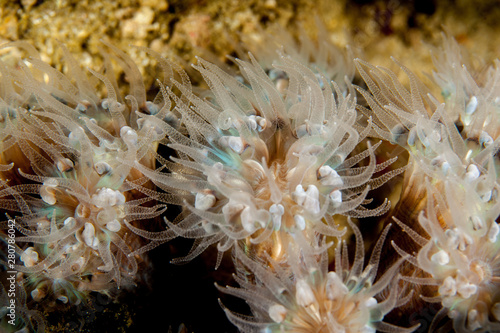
319	54
306	297
462	257
461	254
266	162
472	101
79	199
263	164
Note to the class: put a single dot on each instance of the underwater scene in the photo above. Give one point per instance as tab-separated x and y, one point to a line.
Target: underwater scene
250	166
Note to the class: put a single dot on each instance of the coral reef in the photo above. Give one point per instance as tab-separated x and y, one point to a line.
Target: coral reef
293	157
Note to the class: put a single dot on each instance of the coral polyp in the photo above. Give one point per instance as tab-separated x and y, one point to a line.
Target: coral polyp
461	256
305	296
76	201
263	164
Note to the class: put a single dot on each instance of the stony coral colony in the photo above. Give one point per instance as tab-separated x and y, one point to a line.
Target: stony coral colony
279	160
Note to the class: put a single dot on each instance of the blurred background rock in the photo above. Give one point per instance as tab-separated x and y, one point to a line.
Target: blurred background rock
380	28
